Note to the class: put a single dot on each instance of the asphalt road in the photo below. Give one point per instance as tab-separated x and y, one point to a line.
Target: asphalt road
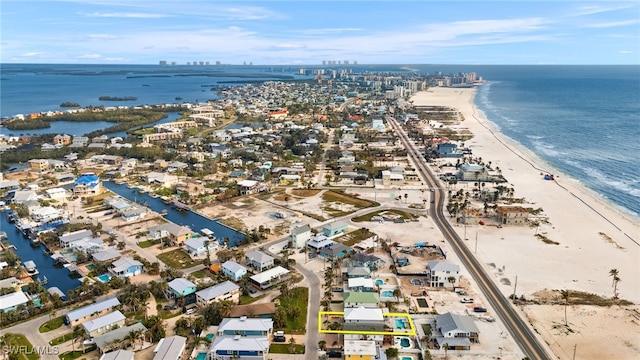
519	330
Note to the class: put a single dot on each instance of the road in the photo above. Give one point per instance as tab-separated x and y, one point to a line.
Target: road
519	330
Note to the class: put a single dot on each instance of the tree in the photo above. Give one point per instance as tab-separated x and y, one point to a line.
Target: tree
565	296
391	352
452	280
292	345
322	345
77	332
616	279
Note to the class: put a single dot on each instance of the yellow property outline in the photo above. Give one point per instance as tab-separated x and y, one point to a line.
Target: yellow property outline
362	332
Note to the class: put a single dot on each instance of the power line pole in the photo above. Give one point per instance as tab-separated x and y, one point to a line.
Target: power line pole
575	346
475	250
513	297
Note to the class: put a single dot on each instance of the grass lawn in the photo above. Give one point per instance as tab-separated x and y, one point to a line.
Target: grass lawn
284	349
246	299
178	259
51	324
427	329
70	355
147	243
60	339
356	236
297	298
19	342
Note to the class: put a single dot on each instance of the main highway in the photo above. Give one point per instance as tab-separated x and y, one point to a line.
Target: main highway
519	329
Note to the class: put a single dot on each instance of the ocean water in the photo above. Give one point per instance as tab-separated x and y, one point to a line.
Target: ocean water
582	120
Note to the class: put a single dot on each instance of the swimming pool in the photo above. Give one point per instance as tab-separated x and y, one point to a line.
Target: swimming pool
387	293
202	356
400	324
209	336
91	267
104	278
380	282
407	358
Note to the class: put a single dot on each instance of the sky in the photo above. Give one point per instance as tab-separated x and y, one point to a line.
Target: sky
308	32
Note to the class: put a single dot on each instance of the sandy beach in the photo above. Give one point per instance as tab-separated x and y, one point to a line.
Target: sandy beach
593	235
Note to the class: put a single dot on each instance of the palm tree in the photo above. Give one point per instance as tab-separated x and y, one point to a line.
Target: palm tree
616	279
565	296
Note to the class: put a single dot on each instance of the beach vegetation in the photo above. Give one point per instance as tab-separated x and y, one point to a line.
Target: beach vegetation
31	124
69	104
177	259
546	240
614	273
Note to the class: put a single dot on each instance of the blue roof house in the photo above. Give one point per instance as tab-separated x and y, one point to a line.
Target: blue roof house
448	150
87	185
234	270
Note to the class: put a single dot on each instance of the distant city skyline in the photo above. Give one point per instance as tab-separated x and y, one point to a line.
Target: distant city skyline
310	32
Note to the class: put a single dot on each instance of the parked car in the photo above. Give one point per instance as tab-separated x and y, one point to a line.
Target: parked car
279	339
337	289
479	309
466	300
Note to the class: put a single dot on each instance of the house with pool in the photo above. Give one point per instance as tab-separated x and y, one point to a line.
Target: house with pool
239	348
245	326
364	319
170	348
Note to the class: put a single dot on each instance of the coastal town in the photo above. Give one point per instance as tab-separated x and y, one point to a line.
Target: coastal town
299	220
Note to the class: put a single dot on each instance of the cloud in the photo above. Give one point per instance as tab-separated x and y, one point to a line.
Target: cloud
133	15
33	54
625	52
102	37
597	9
613	24
329	31
90	56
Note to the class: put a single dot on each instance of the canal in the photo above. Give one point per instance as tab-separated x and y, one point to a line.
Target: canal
188	218
56	276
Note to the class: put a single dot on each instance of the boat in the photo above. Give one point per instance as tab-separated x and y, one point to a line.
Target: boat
35	242
164	212
31	268
11	217
165	200
43	281
3	235
208	233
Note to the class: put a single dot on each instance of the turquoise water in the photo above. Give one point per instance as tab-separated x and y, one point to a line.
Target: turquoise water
380	282
91	267
209	336
400	324
104	278
404	342
407	358
202	356
387	293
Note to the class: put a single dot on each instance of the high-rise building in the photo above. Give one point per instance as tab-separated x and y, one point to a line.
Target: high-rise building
163	62
217	62
346	62
324	62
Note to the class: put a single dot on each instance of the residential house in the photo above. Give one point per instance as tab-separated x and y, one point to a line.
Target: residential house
443	274
335	251
182	288
448	150
67	239
512	215
457	332
244	326
363	319
175	233
473	172
360	284
77	316
267	279
12	300
354	299
357	272
112	339
369	261
225	291
103	324
106	255
360	350
87	185
334	228
170	348
200	246
258	260
39	165
118	355
62	140
300	235
239	348
234	270
248	187
22	196
162	179
318	243
126	267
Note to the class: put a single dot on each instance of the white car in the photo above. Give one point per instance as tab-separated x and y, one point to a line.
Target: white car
466	300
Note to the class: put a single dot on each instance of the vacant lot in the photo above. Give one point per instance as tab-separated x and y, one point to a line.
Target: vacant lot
177	259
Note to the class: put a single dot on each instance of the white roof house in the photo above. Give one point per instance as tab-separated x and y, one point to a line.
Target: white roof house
245	326
85	311
103	322
443	266
226	346
267	278
361	282
170	348
11	301
118	355
363	314
360	347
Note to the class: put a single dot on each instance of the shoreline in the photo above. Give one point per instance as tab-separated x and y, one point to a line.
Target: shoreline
594	234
